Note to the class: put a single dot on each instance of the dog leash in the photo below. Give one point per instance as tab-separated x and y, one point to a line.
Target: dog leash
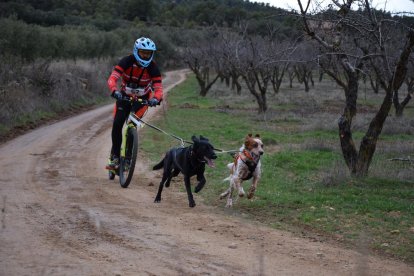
182	140
166	133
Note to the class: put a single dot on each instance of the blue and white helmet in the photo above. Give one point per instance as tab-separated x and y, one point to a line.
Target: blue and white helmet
144	43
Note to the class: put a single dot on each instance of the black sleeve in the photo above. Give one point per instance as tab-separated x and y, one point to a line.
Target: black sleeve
153	70
126	62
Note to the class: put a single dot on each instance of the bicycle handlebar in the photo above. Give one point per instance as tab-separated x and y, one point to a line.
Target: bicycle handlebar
134	99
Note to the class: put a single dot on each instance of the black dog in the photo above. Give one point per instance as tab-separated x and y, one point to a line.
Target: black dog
189	161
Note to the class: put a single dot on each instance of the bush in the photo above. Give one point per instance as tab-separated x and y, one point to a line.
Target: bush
46	88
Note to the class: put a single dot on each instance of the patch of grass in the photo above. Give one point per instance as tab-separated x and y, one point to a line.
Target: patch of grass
305	184
4	129
37	115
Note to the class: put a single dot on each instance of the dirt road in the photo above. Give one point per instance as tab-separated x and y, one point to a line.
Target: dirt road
62	216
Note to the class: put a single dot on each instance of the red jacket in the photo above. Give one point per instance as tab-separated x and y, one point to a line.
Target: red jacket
130	72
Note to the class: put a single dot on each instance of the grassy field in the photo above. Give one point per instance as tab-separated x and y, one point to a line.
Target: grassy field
305	185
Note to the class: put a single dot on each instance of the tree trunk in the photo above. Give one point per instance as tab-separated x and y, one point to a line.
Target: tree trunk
306	83
261	101
349	151
277	78
291	77
276	85
235	83
206	86
369	141
374	85
399	107
201	83
260	97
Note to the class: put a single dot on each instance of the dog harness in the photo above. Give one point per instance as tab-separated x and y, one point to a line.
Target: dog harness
249	161
189	153
175	159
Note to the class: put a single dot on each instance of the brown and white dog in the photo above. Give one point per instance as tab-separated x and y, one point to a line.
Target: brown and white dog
246	166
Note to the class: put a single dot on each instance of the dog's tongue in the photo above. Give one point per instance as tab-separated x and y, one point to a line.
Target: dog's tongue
210	162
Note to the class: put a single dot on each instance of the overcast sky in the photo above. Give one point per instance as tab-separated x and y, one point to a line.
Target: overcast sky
389	5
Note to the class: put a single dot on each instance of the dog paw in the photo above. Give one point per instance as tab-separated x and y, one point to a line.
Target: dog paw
250	194
192	204
224	194
157	200
241	192
229	203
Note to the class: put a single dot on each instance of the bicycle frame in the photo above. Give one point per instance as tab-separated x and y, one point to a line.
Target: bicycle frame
132	122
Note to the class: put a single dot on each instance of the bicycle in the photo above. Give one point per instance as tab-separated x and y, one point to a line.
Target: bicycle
129	146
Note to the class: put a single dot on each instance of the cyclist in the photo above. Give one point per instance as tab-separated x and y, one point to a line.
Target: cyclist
140	77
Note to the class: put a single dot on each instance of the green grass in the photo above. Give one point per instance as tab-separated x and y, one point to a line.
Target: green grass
294	192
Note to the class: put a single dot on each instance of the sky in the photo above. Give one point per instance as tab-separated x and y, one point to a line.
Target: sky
389	5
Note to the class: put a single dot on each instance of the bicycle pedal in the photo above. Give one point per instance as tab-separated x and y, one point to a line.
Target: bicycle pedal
111	168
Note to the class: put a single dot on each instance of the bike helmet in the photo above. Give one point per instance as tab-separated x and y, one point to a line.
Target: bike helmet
144	43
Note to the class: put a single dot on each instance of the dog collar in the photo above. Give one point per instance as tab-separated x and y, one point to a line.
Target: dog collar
249	155
193	161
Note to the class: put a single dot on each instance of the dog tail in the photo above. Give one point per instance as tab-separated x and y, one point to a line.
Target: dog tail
159	165
227	179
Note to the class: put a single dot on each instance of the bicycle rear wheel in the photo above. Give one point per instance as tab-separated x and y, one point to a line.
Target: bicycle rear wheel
127	163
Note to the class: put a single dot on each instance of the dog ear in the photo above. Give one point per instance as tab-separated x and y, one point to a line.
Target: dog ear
203	138
257	135
247	140
249	135
195	139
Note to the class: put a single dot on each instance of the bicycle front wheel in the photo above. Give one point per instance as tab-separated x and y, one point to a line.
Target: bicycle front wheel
127	162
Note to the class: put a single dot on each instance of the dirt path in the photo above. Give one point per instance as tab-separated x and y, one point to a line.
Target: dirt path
62	216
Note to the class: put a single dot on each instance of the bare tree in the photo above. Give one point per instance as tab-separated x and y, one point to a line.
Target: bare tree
276	78
281	62
374	83
255	69
202	57
247	57
304	64
409	81
351	42
291	75
229	67
261	61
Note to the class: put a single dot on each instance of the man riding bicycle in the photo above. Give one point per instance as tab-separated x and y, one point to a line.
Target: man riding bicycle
140	78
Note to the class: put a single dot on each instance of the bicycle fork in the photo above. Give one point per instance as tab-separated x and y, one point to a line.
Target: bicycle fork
125	138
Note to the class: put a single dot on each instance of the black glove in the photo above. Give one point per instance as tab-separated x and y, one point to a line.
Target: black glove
153	102
116	95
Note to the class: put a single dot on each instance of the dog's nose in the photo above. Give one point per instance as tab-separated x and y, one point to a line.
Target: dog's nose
261	153
214	156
